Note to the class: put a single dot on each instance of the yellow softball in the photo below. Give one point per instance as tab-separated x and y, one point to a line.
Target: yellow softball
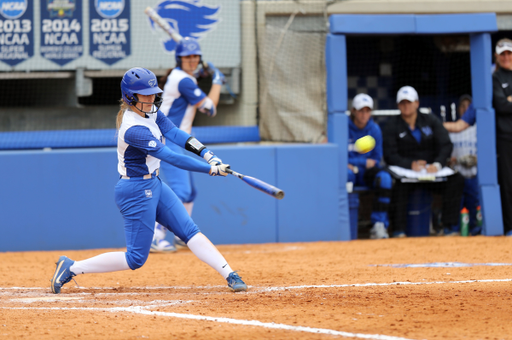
364	144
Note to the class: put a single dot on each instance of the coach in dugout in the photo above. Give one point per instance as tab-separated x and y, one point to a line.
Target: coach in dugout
419	142
502	102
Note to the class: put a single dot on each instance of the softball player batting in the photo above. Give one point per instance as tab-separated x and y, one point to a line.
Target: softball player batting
141	196
181	97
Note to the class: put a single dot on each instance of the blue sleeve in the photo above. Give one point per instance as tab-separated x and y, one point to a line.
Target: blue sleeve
470	115
163	122
190	91
180	161
141	138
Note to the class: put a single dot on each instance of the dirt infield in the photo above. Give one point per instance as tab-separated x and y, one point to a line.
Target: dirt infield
316	290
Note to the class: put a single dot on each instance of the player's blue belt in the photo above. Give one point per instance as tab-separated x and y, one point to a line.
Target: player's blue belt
148	176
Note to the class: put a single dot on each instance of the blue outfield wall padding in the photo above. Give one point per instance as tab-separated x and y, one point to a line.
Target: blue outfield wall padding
456	23
58	200
58	139
93	138
337	133
491	210
486	151
64	199
309	210
481	77
228	210
336	65
372	24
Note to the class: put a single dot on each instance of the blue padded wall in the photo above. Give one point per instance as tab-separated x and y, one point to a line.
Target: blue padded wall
336	66
372	24
412	23
309	176
59	200
337	133
228	210
64	199
456	23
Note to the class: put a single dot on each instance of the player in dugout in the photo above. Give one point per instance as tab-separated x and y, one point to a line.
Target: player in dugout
141	196
366	169
180	100
421	143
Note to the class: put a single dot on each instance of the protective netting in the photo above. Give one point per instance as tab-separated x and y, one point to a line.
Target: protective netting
61	62
292	85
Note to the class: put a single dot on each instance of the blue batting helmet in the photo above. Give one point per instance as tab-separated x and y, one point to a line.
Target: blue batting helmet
187	46
138	80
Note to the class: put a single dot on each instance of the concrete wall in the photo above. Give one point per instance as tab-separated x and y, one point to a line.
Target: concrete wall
64	199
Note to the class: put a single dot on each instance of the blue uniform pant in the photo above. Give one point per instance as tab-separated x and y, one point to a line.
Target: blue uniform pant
142	202
379	180
178	179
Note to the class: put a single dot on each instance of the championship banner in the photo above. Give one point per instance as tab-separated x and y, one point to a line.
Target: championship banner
61	30
109	30
16	31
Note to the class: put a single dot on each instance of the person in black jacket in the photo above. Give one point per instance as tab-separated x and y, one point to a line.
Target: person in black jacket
421	143
502	102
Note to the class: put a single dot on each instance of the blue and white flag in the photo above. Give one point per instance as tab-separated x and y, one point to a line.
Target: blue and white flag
109	34
16	31
61	30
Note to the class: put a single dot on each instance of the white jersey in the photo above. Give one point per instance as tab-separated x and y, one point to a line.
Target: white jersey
138	135
464	143
180	96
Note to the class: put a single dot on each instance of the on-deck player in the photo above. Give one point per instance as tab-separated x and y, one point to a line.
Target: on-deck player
181	97
141	196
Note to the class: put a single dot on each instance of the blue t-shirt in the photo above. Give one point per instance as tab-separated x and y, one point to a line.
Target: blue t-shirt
470	115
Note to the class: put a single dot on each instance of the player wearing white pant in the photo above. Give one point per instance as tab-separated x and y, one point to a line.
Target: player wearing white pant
181	98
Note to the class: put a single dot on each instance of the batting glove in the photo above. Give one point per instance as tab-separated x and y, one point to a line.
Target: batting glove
218	76
219	170
212	159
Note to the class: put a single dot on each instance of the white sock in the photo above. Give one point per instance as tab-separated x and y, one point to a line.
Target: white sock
208	253
188	207
104	263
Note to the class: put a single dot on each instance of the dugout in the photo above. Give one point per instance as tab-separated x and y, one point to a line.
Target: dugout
478	26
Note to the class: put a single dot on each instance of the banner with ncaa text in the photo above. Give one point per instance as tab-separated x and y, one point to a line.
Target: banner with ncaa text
61	30
109	32
16	31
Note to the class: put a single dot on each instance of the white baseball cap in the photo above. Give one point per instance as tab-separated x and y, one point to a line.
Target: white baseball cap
406	93
503	45
362	100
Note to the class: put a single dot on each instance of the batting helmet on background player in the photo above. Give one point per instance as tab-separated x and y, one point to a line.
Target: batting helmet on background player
142	81
187	46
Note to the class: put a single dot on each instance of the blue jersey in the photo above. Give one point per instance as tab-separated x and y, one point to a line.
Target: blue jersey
180	95
354	133
136	137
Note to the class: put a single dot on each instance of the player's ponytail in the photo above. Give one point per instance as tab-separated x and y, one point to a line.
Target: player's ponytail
122	108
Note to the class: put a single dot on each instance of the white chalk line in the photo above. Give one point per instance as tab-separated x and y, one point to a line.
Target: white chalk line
255	289
144	311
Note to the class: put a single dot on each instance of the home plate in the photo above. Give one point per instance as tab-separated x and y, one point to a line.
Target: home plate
46	298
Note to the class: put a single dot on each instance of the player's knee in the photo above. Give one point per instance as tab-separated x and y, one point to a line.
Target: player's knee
136	260
186	233
383	180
